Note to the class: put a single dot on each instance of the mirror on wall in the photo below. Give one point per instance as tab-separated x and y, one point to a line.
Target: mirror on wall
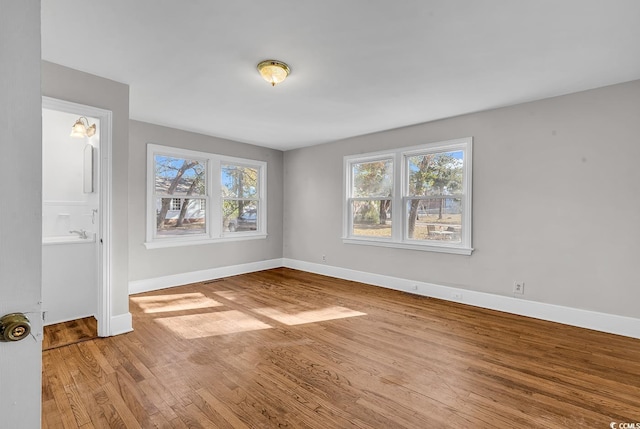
88	169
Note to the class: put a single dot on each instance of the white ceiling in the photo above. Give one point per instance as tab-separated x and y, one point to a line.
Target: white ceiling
357	66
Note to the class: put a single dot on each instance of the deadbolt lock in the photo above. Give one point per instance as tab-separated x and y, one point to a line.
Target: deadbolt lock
14	327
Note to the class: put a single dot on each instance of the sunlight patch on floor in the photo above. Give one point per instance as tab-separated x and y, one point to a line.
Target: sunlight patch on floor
227	294
308	316
174	302
212	324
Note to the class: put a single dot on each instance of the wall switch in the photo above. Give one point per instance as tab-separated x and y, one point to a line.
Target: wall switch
518	287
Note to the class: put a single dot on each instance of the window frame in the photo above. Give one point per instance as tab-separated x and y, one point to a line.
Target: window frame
212	199
400	197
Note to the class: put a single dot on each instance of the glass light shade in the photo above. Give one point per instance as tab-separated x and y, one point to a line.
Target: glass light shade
78	130
91	131
273	71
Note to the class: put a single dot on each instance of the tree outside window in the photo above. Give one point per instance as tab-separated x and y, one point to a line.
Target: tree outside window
198	197
423	204
176	181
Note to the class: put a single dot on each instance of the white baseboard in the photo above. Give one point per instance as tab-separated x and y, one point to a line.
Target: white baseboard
605	322
121	324
157	283
48	321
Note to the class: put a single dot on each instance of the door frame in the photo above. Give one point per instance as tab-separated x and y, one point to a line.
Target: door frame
103	315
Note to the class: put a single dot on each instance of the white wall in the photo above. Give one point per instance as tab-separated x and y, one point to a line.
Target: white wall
65	204
20	208
555	185
149	264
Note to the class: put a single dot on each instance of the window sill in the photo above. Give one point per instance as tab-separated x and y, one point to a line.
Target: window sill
192	241
457	250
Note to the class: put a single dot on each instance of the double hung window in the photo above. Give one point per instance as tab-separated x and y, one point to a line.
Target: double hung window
197	197
417	197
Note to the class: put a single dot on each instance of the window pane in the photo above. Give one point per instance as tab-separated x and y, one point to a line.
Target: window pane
180	216
435	173
239	215
239	182
179	176
372	179
434	219
371	218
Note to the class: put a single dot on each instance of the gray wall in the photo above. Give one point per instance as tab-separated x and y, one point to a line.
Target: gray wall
555	187
20	209
72	85
152	263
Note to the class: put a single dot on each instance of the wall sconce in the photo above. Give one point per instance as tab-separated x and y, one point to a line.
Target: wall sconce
80	130
273	71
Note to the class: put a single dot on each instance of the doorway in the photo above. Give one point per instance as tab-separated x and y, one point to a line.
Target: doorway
75	214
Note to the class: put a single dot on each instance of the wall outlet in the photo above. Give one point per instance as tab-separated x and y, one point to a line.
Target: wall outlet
324	259
518	287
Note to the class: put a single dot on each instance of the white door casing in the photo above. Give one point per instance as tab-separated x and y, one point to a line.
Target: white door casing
104	182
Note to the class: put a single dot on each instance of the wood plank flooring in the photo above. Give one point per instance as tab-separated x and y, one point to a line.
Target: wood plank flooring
67	333
287	349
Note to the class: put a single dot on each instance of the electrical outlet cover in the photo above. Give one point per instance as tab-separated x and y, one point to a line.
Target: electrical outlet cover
518	288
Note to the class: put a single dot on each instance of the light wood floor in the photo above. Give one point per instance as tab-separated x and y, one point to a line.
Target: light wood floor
287	349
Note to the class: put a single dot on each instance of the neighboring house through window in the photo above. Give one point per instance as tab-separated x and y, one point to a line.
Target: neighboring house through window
197	197
417	197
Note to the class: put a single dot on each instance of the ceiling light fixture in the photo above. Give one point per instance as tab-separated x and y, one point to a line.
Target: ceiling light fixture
273	71
80	130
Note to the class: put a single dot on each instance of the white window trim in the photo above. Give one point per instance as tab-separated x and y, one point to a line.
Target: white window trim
400	184
214	232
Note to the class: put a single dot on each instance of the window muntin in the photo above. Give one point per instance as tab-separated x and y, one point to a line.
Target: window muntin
182	209
424	202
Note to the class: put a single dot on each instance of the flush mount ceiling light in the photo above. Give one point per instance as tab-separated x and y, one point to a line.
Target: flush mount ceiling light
80	130
273	71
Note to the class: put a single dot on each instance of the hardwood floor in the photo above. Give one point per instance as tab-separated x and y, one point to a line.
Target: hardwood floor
288	349
67	333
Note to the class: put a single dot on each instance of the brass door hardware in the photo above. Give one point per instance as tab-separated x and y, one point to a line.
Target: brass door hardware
14	327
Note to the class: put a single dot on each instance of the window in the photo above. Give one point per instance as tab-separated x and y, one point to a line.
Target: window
196	197
417	198
240	198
